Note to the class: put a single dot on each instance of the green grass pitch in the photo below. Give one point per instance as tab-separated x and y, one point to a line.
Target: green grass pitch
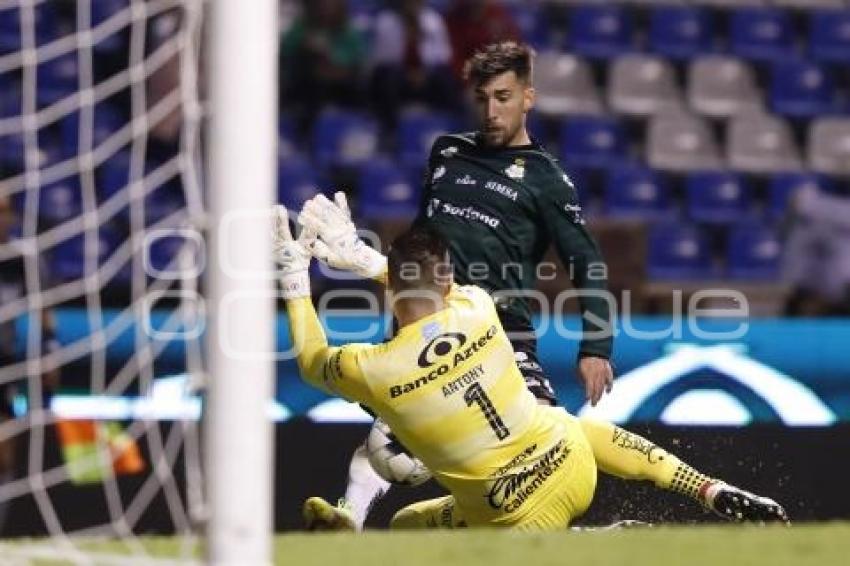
824	544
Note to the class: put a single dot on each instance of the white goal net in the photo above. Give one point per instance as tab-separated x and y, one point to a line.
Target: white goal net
101	321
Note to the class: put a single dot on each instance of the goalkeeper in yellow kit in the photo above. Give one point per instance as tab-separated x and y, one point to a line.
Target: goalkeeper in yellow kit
448	386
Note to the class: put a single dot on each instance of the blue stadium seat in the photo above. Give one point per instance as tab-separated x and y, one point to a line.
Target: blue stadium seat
57	78
679	251
416	132
10	26
113	175
784	185
386	191
344	139
159	203
163	201
531	22
761	34
296	182
637	192
829	36
287	137
717	197
101	11
67	260
164	249
753	252
681	32
801	89
600	31
60	201
593	141
107	121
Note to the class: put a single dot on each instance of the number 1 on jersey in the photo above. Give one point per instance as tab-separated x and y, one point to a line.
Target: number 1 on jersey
475	394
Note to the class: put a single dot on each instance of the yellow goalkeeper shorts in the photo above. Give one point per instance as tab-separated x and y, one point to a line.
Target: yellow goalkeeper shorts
569	497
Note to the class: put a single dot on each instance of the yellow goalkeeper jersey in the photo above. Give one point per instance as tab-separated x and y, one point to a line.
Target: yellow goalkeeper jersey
449	388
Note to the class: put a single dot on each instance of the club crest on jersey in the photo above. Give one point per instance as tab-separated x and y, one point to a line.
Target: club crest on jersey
449	151
517	170
439	172
430	330
465	180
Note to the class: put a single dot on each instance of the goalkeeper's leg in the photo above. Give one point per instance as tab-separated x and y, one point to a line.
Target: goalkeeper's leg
365	487
629	456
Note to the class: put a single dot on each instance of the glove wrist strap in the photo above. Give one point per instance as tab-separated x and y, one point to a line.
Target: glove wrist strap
295	285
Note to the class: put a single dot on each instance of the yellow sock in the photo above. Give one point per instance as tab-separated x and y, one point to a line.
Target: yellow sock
629	456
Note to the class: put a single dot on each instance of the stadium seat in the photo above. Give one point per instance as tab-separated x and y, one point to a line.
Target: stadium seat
593	141
531	22
416	132
600	31
753	252
163	252
107	120
296	182
679	251
761	143
564	85
681	142
164	201
57	78
637	192
102	11
784	185
344	139
829	146
680	32
386	191
809	4
643	85
287	137
67	260
10	25
733	3
717	197
720	86
829	36
761	34
60	201
801	89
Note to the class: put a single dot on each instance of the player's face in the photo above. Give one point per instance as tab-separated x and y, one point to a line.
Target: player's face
500	106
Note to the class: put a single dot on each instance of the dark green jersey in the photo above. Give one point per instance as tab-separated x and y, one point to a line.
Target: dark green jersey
499	210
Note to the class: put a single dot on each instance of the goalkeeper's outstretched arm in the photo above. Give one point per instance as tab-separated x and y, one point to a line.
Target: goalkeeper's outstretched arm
332	369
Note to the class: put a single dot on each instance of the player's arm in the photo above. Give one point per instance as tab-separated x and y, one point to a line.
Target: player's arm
427	181
578	249
335	370
580	254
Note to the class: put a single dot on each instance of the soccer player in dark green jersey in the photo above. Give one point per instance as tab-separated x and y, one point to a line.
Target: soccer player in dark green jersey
500	199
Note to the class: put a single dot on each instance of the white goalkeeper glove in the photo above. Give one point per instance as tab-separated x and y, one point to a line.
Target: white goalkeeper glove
338	244
292	256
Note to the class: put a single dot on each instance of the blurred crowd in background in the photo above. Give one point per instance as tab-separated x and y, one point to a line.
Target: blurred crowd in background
709	140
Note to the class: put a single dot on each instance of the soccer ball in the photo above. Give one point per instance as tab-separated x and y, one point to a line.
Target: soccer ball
391	460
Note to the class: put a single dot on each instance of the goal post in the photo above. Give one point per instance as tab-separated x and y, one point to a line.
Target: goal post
241	161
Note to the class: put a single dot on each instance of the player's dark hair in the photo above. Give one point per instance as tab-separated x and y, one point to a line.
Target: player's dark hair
496	58
418	259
